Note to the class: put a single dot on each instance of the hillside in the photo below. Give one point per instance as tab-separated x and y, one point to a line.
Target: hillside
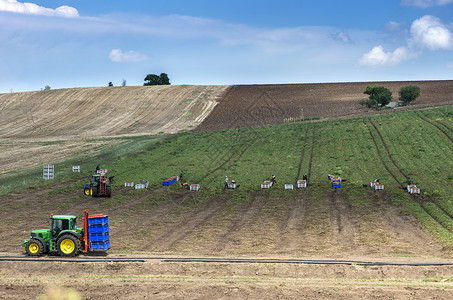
245	106
47	126
107	111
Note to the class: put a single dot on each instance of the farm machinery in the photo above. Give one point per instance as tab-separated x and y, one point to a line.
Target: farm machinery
99	185
67	239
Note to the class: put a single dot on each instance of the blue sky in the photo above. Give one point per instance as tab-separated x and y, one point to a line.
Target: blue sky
80	43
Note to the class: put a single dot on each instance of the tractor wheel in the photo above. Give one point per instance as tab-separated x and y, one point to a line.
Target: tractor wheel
108	191
87	191
94	191
34	247
68	245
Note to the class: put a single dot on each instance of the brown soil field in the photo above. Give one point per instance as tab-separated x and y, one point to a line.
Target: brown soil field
245	106
36	127
39	126
299	227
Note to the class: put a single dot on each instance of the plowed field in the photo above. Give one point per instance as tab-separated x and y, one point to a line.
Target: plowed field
245	106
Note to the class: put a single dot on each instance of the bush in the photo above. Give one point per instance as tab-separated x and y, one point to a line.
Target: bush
409	93
379	96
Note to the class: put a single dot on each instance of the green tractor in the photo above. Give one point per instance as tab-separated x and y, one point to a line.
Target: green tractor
99	186
65	237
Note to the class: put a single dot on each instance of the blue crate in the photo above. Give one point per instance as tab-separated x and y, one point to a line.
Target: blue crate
100	228
100	246
99	237
170	181
98	219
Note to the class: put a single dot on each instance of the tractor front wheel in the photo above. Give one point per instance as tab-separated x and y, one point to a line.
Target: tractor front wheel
94	191
68	245
34	247
87	191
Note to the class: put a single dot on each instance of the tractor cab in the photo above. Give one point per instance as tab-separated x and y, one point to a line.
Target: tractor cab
62	223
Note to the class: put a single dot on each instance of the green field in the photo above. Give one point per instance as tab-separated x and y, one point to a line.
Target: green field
391	147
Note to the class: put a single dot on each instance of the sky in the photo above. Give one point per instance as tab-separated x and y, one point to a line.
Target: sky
81	43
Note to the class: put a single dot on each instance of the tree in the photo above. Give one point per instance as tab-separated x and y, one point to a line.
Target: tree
379	95
124	82
409	93
153	79
110	83
47	88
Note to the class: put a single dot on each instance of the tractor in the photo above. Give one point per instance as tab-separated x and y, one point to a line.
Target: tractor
67	239
99	185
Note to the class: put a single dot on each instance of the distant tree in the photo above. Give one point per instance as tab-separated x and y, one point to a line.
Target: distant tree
379	96
46	88
110	83
409	93
164	79
153	79
124	82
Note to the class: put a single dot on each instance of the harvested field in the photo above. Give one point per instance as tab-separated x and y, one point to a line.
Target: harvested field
245	106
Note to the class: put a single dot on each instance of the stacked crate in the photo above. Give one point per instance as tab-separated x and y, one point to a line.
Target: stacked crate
378	186
98	232
289	187
336	182
194	187
413	189
301	184
129	184
266	184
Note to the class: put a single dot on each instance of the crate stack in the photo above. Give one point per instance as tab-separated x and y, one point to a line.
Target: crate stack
98	232
413	189
194	187
266	184
336	182
170	180
289	187
301	184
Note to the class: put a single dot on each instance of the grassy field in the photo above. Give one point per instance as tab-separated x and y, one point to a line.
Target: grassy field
392	147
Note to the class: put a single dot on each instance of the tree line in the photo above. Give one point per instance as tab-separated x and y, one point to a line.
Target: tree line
380	96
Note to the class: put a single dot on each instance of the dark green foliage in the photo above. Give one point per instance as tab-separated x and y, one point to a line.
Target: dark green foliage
153	79
409	93
379	96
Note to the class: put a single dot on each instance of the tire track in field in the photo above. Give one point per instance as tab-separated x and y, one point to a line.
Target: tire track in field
433	123
380	154
302	155
343	225
310	161
177	232
244	219
402	173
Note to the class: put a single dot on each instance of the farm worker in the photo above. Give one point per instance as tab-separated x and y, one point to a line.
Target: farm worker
111	178
273	180
97	168
180	175
226	182
305	177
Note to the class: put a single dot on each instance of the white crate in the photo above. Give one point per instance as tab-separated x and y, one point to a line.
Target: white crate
301	184
102	171
232	185
378	186
48	172
129	184
289	187
373	183
194	187
413	189
76	169
139	186
145	183
266	184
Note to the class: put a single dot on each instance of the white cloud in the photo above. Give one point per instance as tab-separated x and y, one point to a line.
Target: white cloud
429	32
426	3
378	57
118	55
34	9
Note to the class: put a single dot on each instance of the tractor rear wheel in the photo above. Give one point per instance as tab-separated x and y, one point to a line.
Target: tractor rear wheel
34	247
108	191
87	191
68	245
94	191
